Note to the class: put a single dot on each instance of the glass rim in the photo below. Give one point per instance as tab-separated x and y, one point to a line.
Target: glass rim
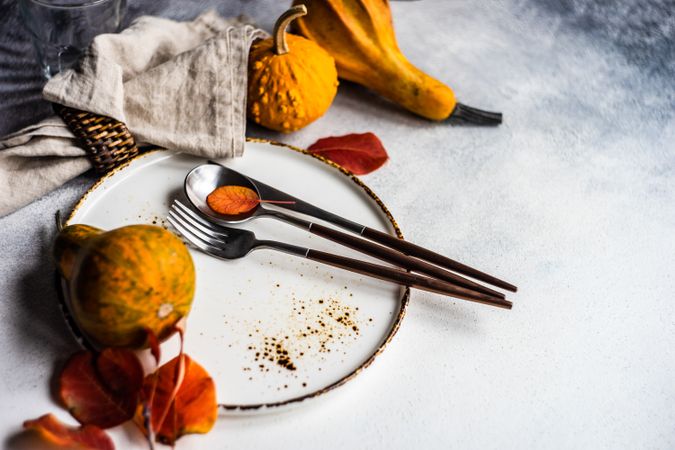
78	5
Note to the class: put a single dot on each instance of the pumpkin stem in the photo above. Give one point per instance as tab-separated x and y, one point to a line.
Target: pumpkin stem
474	116
279	33
59	222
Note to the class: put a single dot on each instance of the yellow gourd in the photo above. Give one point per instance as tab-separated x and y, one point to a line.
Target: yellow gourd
292	81
359	34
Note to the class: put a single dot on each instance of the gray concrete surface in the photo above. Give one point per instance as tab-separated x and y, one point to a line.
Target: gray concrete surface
573	198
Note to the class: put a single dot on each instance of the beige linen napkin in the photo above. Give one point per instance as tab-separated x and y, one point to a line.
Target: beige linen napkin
177	85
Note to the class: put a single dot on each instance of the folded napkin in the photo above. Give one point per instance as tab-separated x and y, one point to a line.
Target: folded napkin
176	85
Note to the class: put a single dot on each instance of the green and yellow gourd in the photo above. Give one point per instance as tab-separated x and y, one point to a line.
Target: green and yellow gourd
125	281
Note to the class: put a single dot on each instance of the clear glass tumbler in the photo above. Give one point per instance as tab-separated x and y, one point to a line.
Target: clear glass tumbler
63	29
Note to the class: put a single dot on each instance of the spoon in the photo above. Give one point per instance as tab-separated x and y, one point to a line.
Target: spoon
204	179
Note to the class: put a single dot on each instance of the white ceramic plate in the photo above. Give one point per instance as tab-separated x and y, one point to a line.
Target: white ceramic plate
271	329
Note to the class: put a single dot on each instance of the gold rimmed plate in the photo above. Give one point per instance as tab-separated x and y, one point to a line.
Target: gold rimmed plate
273	330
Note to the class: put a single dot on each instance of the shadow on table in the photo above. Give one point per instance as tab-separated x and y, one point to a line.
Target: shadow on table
40	324
447	313
40	329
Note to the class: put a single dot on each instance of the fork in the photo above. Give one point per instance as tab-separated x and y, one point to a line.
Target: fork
233	243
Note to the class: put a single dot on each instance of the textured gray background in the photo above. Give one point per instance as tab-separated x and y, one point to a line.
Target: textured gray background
573	197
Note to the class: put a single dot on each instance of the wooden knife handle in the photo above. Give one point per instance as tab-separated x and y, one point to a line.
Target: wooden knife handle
420	252
405	278
397	258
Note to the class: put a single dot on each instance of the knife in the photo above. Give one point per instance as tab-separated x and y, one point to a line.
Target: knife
392	242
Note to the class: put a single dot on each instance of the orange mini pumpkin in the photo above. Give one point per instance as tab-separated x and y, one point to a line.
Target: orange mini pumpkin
291	80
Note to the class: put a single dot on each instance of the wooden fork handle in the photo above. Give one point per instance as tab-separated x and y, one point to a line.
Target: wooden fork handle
420	252
397	258
405	278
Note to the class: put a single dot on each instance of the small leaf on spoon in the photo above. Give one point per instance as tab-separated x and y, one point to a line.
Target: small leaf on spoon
233	200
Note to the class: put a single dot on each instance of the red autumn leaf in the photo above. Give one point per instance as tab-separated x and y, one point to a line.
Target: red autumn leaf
233	200
102	389
121	371
152	342
183	399
358	153
86	437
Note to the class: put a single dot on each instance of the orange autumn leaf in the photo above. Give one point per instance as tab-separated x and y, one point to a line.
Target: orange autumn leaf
87	437
145	416
178	376
234	200
183	400
359	153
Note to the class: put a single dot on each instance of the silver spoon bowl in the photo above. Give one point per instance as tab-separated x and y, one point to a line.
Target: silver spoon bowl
204	179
